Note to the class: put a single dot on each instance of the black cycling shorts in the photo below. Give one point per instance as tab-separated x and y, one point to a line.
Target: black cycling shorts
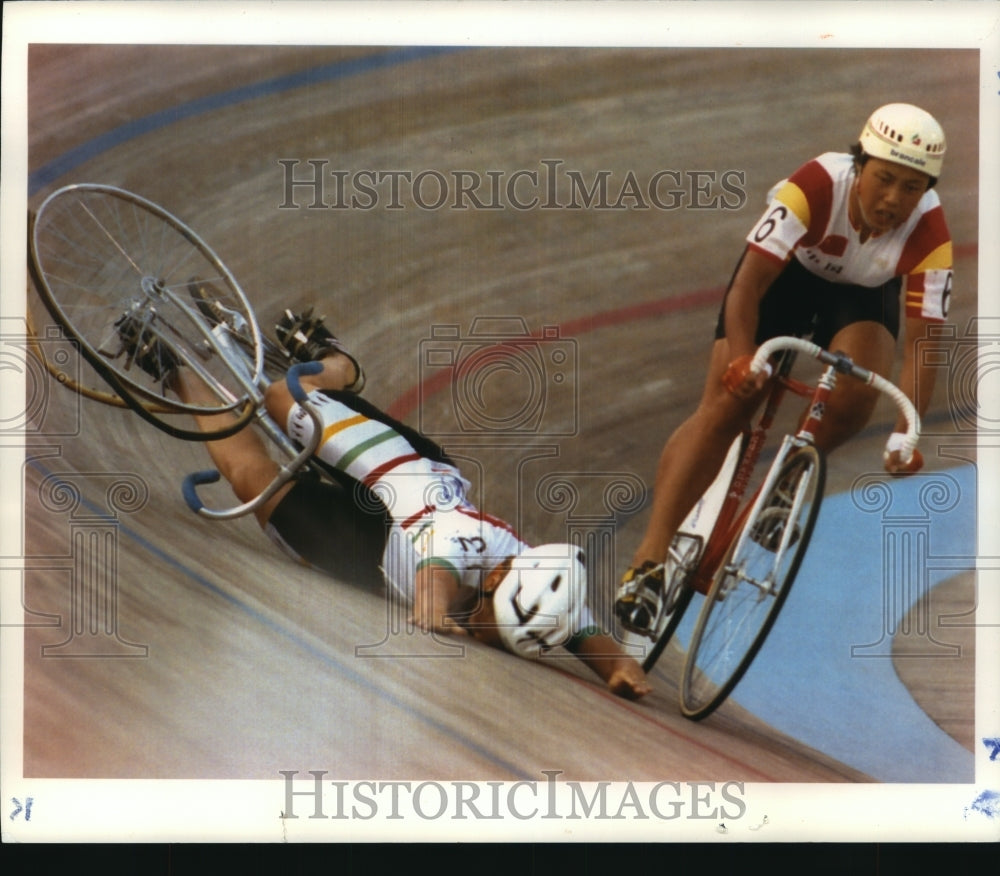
336	523
802	304
340	529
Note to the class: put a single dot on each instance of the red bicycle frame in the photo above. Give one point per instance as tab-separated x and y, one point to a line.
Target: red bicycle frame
729	522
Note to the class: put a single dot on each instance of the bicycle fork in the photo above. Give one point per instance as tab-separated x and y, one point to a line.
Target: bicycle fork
733	523
804	436
728	521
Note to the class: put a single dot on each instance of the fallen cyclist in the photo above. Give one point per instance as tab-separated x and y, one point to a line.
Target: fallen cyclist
395	508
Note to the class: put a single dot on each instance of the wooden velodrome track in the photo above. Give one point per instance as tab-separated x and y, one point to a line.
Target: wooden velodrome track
247	664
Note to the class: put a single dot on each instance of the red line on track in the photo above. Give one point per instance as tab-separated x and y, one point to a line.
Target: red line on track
410	400
646	715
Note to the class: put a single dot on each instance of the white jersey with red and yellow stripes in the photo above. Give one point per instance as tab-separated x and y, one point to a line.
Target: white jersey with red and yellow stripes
807	218
433	520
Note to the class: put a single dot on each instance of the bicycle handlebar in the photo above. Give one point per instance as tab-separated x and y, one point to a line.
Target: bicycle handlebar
292	379
844	365
191	484
286	472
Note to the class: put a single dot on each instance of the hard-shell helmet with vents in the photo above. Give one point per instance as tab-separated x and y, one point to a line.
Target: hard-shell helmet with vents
907	135
540	602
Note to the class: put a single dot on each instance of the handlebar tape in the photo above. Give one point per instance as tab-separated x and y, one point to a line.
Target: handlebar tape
191	484
292	378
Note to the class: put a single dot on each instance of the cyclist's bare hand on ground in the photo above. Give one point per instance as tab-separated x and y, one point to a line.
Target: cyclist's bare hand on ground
437	624
627	680
741	382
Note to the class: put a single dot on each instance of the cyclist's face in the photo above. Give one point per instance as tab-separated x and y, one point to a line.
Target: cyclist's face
885	194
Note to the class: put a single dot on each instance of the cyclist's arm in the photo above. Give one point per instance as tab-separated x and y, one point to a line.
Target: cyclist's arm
623	674
435	591
756	273
916	378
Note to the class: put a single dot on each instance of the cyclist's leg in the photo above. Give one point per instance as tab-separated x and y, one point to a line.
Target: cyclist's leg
695	452
339	372
851	403
322	524
692	456
863	323
315	521
242	459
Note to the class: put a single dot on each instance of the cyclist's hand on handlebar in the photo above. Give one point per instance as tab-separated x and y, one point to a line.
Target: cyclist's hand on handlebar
893	457
894	463
740	381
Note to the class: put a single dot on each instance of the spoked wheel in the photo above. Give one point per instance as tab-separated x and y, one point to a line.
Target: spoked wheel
752	583
137	289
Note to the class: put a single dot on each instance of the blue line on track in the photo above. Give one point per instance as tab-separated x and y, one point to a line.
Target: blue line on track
75	157
72	159
853	708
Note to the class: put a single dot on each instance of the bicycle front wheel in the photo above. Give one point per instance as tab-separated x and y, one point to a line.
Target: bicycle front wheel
99	254
752	583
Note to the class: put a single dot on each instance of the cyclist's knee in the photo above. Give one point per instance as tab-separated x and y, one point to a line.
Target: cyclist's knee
847	413
722	412
248	473
710	429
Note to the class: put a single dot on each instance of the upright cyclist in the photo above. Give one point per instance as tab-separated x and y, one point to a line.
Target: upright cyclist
396	507
840	242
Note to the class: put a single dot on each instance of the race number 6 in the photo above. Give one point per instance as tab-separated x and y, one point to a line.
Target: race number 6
770	222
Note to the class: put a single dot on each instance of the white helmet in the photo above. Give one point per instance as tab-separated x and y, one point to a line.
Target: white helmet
905	134
540	603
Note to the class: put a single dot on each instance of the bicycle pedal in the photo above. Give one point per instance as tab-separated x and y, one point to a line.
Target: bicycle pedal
636	619
640	599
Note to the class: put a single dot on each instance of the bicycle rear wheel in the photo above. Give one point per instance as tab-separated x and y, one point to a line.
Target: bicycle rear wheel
99	253
752	583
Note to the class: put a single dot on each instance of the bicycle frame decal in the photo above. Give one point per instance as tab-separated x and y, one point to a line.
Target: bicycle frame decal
817	408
